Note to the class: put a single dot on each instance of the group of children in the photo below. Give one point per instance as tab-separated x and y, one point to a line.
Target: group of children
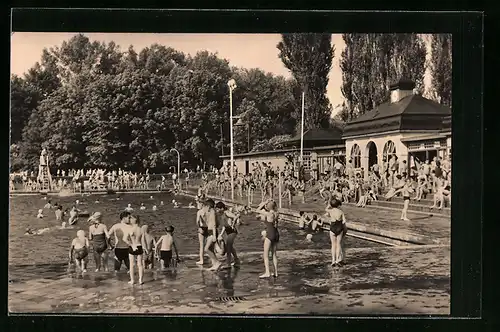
128	236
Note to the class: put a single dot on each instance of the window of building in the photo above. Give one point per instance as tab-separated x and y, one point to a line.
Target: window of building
307	160
356	156
323	163
389	150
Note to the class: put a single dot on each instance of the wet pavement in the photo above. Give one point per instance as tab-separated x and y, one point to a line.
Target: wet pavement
384	280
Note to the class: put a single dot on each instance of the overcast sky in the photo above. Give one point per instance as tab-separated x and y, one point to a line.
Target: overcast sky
242	50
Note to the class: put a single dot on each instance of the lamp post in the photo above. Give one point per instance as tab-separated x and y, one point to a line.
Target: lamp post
302	131
232	85
178	164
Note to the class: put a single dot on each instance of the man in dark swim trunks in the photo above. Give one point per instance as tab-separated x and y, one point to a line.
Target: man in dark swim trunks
98	234
202	231
121	247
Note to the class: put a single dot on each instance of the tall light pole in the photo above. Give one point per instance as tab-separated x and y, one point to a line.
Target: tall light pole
232	85
178	164
302	132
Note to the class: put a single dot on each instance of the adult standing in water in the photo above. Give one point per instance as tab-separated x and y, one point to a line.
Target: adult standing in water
228	221
337	230
202	229
270	216
121	247
134	237
98	234
211	222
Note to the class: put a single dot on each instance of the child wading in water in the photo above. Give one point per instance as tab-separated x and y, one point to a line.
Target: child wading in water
79	251
270	217
164	248
149	249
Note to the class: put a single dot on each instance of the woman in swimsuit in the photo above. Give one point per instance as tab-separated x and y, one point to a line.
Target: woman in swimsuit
337	230
98	234
134	237
211	221
79	250
202	230
405	192
228	221
270	217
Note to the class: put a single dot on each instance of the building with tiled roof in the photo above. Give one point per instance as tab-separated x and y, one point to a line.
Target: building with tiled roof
409	126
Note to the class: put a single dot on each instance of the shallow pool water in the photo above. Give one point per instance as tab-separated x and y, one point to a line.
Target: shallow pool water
52	246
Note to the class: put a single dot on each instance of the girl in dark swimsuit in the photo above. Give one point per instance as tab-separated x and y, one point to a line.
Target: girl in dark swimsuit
228	221
270	218
337	230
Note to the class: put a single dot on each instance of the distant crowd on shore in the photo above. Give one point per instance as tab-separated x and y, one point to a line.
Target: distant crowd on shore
341	181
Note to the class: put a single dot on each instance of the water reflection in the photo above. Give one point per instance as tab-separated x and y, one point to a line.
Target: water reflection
220	282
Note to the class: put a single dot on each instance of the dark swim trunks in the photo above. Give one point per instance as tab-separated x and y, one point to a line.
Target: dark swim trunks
337	227
166	257
203	231
230	230
136	252
81	253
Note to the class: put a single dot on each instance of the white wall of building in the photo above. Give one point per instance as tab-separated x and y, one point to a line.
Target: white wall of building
276	161
380	141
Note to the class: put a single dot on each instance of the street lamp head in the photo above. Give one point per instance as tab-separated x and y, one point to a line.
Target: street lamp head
239	121
231	84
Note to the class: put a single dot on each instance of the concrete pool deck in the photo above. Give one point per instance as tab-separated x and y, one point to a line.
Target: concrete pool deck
422	229
383	280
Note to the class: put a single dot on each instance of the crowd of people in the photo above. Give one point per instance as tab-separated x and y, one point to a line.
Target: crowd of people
343	182
133	245
96	179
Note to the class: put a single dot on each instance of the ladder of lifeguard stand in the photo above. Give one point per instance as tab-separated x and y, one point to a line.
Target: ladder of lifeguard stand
46	180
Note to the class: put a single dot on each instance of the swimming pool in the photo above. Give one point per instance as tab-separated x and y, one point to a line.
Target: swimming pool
53	245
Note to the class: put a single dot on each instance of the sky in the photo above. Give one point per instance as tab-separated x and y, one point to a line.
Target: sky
242	50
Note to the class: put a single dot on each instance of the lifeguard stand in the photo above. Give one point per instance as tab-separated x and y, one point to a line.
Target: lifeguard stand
44	177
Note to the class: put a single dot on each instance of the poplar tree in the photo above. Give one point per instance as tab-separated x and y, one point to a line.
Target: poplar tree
371	62
309	57
441	68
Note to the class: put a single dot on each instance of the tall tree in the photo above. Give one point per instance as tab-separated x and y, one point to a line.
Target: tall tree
264	101
371	62
22	102
441	68
309	58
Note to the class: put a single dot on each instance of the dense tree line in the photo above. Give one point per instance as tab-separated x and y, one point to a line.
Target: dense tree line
93	105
